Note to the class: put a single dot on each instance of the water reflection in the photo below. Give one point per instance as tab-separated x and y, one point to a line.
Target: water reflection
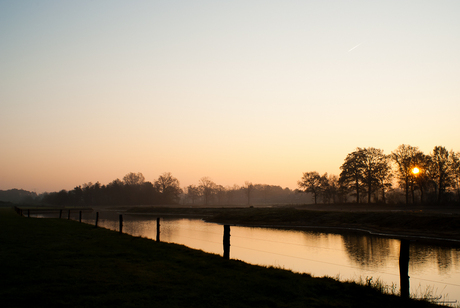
371	251
445	260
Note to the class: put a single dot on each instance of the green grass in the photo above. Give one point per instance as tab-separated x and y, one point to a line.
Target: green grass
62	263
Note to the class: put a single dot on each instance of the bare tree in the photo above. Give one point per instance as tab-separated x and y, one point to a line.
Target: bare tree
220	193
351	177
440	161
376	169
422	177
207	188
329	187
454	165
384	176
405	158
248	189
311	183
193	193
168	187
134	178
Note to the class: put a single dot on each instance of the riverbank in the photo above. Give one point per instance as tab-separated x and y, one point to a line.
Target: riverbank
411	225
63	263
425	224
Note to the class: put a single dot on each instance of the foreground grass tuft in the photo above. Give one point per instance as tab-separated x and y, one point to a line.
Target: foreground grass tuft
62	263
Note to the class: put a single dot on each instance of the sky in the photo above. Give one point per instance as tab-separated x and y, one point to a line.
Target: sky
237	91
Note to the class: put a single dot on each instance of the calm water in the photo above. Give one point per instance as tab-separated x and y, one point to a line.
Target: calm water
351	256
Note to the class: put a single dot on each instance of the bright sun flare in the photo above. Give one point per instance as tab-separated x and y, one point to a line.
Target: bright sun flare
415	170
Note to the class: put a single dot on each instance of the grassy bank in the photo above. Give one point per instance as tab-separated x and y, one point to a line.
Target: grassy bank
399	223
62	263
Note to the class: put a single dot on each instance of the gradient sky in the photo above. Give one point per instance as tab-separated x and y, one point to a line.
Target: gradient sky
239	91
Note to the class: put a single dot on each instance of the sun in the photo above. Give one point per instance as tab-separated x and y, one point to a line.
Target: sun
415	170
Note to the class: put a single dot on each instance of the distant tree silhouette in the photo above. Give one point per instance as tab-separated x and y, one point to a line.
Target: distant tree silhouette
221	193
311	183
440	160
329	188
422	181
193	193
405	157
77	195
232	193
384	176
169	188
149	194
134	178
117	194
352	177
207	188
248	188
18	196
133	183
376	170
454	165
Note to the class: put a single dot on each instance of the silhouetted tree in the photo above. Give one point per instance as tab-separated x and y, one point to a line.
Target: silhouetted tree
329	188
422	180
351	177
207	188
311	183
384	176
248	188
60	198
77	195
133	182
454	165
169	188
117	193
88	193
231	193
220	193
149	194
440	160
405	158
133	178
19	196
193	193
376	169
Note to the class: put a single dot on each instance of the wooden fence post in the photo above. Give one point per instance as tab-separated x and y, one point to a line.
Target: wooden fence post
121	223
226	242
60	214
158	229
28	213
97	218
79	219
68	217
404	268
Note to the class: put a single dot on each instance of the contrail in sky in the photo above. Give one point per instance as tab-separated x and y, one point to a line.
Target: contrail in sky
354	47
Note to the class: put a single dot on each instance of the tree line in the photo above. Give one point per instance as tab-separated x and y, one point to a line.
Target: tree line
369	174
133	189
